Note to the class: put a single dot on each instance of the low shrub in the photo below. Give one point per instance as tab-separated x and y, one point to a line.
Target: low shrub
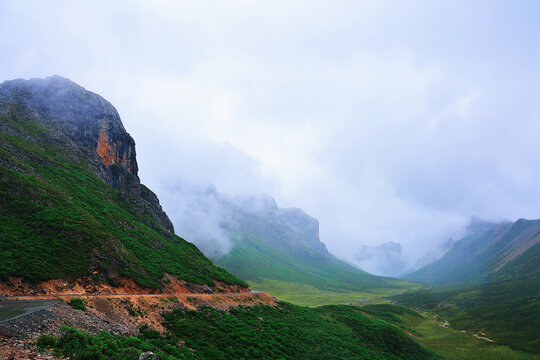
77	303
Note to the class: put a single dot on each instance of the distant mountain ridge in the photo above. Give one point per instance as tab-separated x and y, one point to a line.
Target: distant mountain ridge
289	229
257	240
489	252
71	202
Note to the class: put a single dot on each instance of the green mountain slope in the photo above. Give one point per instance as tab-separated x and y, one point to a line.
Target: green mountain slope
269	242
71	204
252	258
490	252
506	312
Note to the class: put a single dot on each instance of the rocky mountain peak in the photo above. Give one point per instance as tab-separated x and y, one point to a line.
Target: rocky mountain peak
87	123
85	118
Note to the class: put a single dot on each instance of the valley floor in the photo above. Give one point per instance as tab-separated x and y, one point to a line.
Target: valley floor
306	295
454	344
433	333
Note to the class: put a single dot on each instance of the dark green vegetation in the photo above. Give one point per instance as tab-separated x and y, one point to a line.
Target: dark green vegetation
59	219
489	253
77	303
262	332
508	312
78	345
373	332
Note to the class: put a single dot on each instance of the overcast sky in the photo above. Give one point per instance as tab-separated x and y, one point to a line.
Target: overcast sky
389	121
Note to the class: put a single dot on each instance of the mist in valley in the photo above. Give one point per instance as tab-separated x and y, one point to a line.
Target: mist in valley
392	123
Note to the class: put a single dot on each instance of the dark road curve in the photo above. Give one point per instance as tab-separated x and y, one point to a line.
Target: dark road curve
12	309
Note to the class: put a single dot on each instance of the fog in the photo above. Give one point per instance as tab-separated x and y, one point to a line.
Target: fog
391	122
200	216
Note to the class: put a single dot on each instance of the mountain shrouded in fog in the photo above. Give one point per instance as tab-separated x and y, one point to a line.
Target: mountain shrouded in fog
388	121
256	240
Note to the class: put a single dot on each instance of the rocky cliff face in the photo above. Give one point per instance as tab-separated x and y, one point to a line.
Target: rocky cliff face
306	228
290	230
90	125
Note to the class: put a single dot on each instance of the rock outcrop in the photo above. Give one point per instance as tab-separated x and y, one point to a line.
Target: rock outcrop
90	125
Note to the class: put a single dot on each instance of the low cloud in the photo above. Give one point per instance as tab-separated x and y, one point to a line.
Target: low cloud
383	259
385	120
201	217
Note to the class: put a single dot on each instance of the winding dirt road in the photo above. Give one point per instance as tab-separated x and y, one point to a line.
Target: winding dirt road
86	295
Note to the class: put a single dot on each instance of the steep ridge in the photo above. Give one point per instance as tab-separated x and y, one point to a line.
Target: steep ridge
72	208
490	252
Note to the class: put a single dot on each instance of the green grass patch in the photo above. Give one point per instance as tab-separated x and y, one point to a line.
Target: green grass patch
78	345
307	295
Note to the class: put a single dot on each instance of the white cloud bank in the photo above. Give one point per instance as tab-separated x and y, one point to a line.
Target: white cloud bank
389	121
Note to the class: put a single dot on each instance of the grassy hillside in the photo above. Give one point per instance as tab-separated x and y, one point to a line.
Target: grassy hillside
253	259
59	220
283	332
492	252
507	312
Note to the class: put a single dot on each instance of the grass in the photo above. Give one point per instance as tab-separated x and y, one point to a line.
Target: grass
78	345
307	295
454	345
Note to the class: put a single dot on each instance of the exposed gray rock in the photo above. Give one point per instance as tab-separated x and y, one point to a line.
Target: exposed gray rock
147	356
91	128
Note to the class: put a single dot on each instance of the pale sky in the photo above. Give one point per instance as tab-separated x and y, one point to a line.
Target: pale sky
389	121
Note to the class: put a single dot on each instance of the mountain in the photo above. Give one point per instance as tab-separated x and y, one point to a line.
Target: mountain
254	239
489	252
71	203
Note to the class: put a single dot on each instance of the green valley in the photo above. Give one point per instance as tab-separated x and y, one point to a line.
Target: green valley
505	312
307	295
